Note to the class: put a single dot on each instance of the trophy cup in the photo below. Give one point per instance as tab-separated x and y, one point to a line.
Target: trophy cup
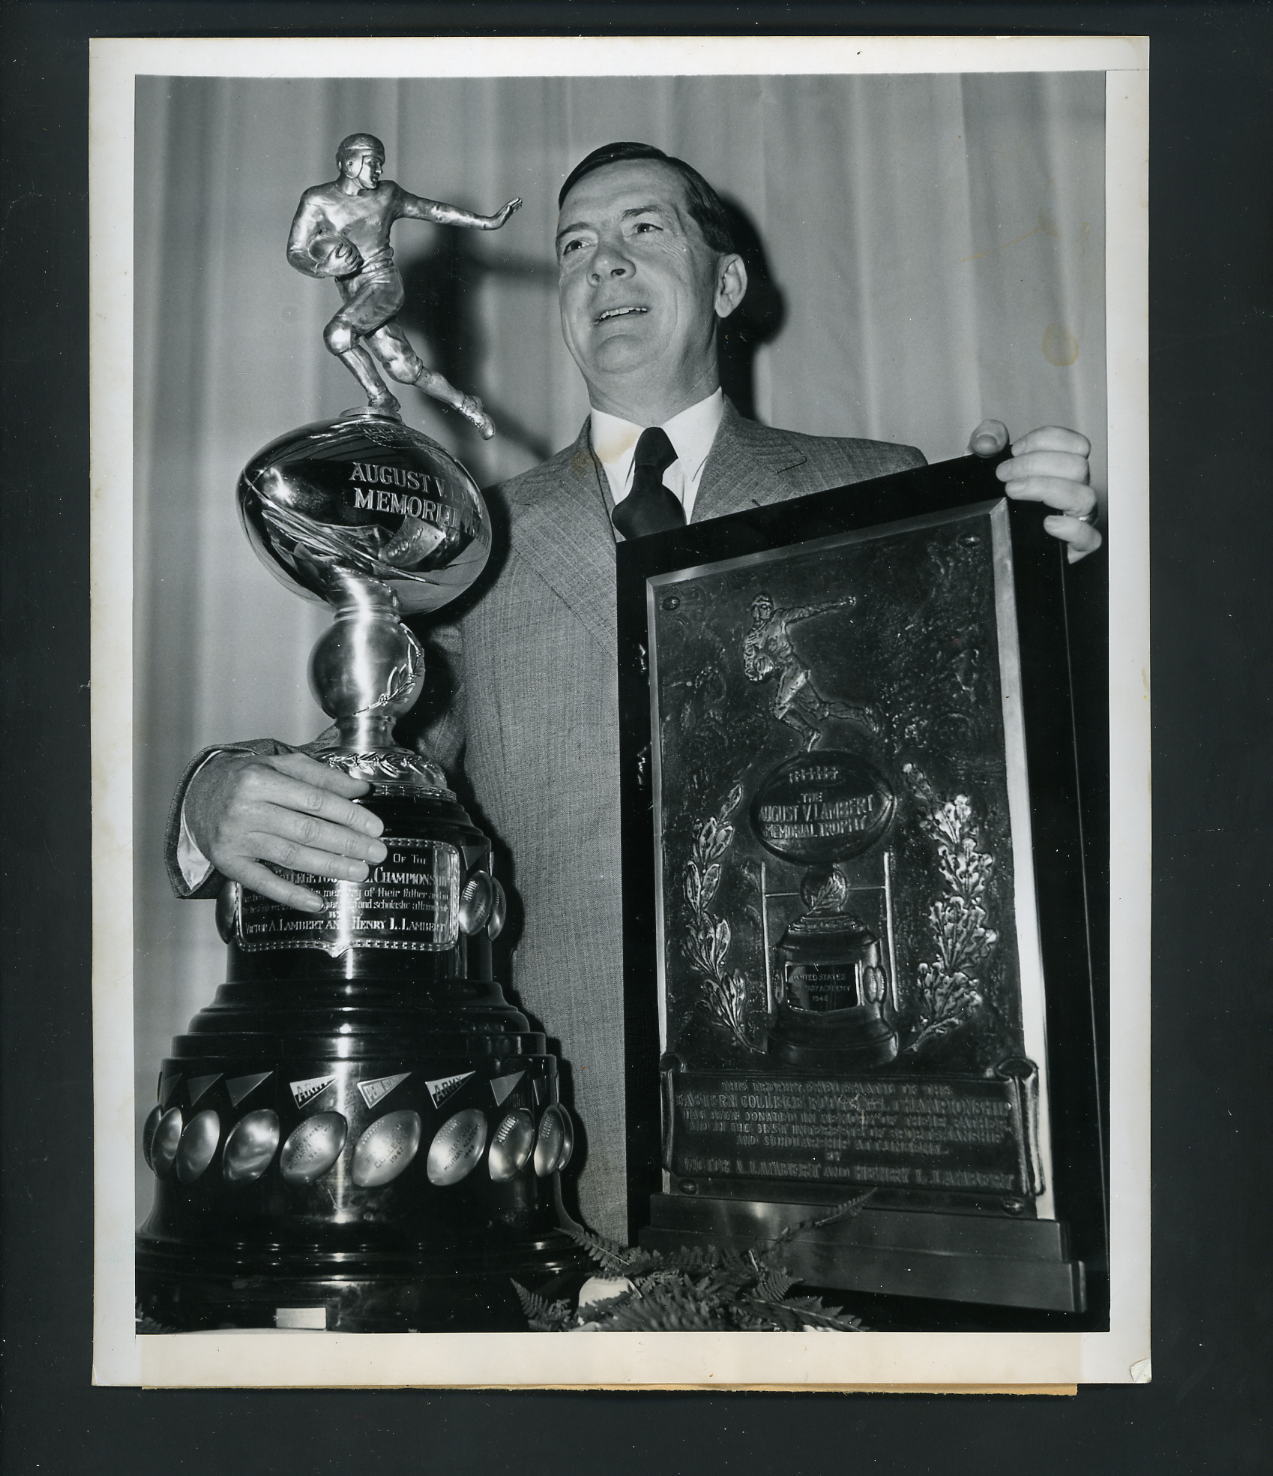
829	813
360	1133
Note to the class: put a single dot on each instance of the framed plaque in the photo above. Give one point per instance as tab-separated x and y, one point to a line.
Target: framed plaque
860	996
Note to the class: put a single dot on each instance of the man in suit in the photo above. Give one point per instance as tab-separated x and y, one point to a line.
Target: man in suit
647	272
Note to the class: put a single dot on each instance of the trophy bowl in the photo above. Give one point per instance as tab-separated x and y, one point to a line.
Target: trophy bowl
365	495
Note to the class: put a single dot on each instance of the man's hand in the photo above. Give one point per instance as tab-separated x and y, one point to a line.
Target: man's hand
289	810
1047	465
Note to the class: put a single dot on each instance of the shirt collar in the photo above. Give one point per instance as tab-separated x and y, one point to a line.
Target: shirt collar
691	433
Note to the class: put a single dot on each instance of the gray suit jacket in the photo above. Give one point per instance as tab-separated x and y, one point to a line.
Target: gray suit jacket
537	705
540	716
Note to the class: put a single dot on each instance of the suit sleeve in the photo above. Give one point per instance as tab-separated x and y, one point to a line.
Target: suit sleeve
211	884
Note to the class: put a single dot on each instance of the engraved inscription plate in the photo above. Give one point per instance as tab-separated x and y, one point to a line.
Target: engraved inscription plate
555	1143
457	1147
821	986
312	1147
511	1144
919	1132
386	1148
409	902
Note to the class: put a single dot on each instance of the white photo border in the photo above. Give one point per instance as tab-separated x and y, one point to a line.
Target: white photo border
616	1360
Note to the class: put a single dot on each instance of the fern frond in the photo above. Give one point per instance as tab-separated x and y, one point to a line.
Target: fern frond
614	1258
541	1314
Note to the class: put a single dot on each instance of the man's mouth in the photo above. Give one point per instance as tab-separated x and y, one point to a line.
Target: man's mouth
618	312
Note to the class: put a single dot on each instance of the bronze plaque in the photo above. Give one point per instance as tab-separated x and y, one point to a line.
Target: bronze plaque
830	869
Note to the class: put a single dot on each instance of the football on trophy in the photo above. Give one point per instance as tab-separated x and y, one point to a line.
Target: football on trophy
365	495
336	256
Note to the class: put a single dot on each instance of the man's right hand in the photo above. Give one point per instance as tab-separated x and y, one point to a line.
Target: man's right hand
243	810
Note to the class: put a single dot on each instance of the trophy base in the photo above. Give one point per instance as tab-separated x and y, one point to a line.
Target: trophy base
359	1132
814	1042
183	1289
921	1254
352	1185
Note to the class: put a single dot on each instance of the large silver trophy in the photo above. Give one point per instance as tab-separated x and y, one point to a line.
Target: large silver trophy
360	1133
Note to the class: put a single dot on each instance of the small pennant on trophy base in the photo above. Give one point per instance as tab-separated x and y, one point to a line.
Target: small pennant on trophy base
502	1087
200	1084
243	1086
377	1090
446	1087
306	1091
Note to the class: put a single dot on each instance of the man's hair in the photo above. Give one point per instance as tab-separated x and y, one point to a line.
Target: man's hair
706	207
358	143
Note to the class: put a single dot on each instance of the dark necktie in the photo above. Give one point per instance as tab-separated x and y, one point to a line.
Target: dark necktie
650	507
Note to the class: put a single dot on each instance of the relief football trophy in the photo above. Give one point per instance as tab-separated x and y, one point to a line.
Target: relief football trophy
851	812
360	1133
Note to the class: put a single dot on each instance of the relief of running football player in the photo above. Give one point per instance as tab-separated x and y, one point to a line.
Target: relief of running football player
768	652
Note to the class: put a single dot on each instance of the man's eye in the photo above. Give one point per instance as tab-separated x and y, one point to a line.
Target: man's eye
645	225
569	246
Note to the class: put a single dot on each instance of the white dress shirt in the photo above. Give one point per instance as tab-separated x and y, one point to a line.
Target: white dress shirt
691	434
194	866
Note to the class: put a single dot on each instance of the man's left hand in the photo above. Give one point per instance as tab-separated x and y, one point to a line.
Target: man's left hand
1047	465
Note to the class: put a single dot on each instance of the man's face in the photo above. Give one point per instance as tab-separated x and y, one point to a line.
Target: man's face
640	290
761	611
364	167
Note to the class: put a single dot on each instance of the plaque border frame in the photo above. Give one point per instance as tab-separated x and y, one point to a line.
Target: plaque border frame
1064	721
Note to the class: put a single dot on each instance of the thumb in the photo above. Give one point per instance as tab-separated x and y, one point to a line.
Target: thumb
990	437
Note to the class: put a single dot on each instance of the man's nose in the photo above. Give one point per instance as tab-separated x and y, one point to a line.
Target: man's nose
609	260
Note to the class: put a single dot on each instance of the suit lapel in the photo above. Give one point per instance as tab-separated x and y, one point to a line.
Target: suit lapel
561	528
561	510
744	468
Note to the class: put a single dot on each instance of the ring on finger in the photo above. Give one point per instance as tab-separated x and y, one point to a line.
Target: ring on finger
1089	517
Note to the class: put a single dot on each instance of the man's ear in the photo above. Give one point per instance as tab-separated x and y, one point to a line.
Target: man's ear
731	284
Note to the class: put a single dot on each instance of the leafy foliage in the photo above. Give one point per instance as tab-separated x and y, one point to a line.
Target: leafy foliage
704	1288
541	1314
725	999
950	985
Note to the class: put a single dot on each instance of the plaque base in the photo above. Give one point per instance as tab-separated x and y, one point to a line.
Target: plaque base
944	1256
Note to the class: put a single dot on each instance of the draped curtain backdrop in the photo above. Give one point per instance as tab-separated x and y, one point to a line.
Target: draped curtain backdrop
926	250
